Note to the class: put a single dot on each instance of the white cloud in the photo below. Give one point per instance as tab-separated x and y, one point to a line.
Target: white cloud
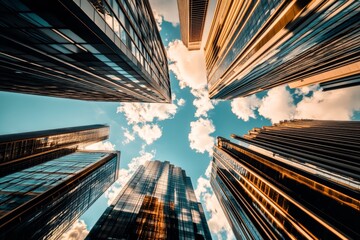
202	102
129	137
277	105
181	102
105	145
188	66
166	8
125	174
199	136
158	19
146	112
306	89
217	222
244	108
202	186
148	132
78	231
139	114
330	105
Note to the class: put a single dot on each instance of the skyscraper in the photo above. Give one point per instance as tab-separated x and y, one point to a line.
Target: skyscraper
23	150
192	14
42	202
97	50
257	45
294	180
158	202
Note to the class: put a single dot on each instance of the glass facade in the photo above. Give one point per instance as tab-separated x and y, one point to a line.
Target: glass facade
268	191
158	202
22	150
43	201
278	42
192	15
106	50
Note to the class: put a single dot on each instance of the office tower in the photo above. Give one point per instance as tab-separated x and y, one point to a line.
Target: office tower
97	50
257	45
294	180
158	202
43	201
192	14
23	150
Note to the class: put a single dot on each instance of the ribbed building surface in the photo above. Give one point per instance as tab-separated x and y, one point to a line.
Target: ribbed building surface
23	150
192	15
158	202
43	201
293	180
257	45
98	50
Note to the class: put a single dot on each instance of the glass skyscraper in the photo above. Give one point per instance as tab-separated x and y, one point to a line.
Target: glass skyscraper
158	202
257	45
99	50
22	150
192	15
297	179
41	202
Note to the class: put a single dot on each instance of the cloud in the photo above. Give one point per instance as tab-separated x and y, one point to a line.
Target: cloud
217	222
147	112
129	137
330	105
202	102
199	136
78	231
202	186
166	8
138	115
148	132
188	66
181	102
125	174
306	89
105	145
277	105
158	19
244	107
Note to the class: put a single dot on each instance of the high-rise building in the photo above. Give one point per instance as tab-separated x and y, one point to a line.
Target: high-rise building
43	201
294	180
158	202
23	150
100	50
192	14
257	45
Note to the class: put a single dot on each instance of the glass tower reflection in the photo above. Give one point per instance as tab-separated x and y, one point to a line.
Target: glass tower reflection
23	150
98	50
41	202
294	180
257	45
158	202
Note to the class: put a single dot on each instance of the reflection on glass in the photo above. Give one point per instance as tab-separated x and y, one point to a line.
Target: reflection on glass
157	203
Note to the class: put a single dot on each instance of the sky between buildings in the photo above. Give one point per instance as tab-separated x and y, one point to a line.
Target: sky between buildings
183	132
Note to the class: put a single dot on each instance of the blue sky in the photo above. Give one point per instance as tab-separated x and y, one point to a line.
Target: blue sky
182	132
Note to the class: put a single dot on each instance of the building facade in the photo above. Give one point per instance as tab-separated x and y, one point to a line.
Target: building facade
294	180
192	15
23	150
257	45
158	202
43	201
99	50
